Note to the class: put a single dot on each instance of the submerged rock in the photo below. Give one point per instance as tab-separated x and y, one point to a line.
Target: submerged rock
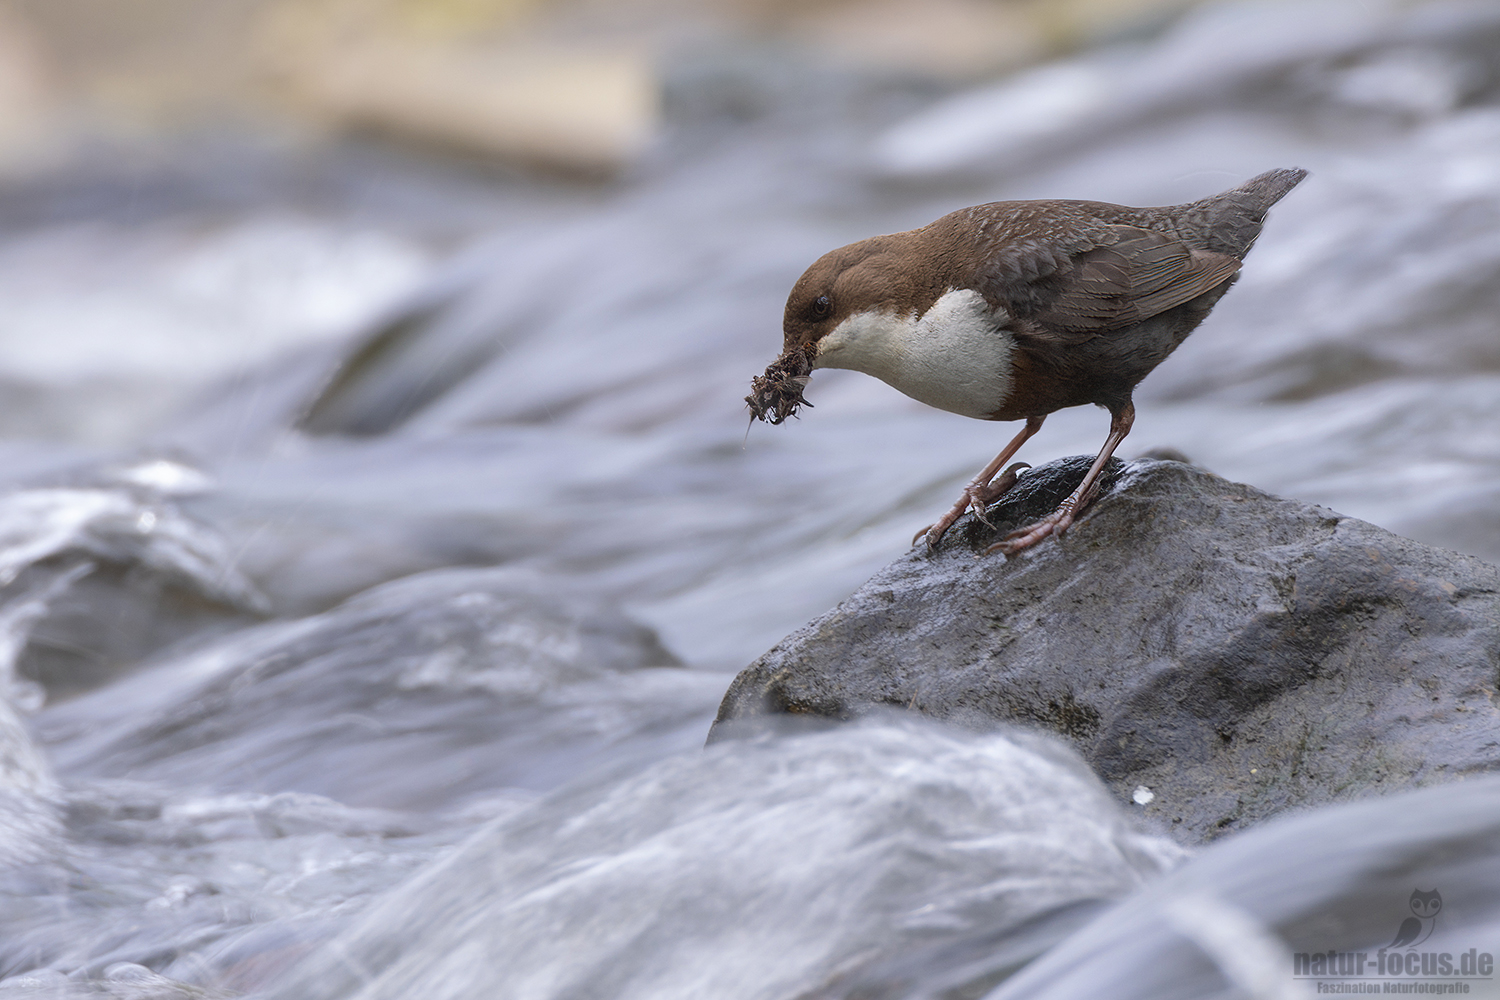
29	824
122	981
424	694
1318	896
1218	654
93	578
841	862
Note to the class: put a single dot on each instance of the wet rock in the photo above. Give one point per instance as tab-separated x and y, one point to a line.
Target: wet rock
121	981
832	862
1232	921
93	578
29	822
1218	654
419	694
250	879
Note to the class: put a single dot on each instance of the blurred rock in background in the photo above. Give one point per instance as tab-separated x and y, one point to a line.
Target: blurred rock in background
27	96
570	84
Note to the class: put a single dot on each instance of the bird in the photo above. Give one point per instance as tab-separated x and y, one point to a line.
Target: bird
1014	310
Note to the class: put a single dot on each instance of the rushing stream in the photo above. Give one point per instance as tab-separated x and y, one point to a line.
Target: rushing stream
366	602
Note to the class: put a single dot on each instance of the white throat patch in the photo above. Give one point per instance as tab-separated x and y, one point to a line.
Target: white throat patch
955	356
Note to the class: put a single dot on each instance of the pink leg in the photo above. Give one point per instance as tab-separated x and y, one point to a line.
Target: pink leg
980	492
1058	521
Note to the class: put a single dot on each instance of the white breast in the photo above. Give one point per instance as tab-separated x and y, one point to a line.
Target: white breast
955	356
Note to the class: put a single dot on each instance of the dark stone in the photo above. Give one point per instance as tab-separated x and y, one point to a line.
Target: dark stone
1236	653
111	618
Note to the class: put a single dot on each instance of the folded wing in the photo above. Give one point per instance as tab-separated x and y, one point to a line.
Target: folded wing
1140	274
1125	274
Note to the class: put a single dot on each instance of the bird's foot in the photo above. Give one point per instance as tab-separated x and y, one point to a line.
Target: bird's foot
1054	523
934	532
979	504
976	497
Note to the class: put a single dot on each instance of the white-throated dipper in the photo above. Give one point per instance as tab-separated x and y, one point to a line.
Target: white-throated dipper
1016	309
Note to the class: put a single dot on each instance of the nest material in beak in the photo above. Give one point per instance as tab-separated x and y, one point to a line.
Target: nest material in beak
777	394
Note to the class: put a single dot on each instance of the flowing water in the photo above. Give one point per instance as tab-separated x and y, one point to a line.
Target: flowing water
372	563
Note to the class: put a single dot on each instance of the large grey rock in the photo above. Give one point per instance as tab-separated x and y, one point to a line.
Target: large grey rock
1236	653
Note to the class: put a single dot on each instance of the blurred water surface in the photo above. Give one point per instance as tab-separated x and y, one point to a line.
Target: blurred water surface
370	581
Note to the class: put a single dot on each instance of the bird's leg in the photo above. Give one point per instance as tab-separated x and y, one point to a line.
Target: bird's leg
997	488
1058	521
980	492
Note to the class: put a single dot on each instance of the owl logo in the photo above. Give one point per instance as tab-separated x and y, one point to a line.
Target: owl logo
1418	928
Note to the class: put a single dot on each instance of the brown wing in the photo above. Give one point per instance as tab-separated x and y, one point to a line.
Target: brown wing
1105	278
1138	275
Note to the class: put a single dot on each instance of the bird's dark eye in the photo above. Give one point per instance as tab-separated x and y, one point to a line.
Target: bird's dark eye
822	306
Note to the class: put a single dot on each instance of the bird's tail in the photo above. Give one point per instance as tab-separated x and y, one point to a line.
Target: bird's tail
1230	222
1270	187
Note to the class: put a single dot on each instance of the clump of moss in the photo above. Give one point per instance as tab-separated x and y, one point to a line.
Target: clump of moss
777	394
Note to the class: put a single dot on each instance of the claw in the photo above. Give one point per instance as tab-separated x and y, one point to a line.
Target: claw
1005	482
1055	523
984	489
979	506
939	528
1058	521
975	498
981	497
